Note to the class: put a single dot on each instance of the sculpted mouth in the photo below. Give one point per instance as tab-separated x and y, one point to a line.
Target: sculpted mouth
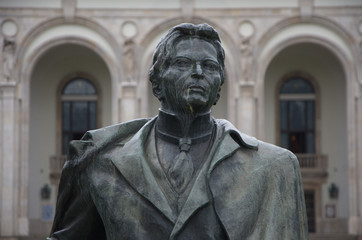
195	88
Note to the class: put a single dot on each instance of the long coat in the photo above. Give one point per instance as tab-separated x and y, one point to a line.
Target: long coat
248	188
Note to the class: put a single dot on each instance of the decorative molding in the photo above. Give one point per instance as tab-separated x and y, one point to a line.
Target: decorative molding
246	29
129	61
129	29
306	9
8	60
187	9
9	29
69	7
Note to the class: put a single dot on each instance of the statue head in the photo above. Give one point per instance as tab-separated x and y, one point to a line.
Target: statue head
188	63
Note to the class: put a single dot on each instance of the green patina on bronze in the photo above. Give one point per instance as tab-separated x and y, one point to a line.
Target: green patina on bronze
119	181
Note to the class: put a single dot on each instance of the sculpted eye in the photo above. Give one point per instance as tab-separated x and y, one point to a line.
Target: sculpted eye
182	63
210	65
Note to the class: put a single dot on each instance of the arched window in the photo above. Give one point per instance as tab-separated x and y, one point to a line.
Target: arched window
78	109
297	115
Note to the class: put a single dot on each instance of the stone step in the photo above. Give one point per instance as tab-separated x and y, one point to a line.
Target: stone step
330	236
312	236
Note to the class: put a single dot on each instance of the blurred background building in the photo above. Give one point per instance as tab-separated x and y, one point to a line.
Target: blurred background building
294	78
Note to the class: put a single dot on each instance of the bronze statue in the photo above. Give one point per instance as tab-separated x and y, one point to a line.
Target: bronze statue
182	174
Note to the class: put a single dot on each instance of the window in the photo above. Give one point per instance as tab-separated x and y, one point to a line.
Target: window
78	110
297	115
310	208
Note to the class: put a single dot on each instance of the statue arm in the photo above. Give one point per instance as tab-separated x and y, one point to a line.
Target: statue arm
76	215
300	207
283	215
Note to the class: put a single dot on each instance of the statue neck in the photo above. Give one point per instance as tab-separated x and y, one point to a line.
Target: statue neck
184	126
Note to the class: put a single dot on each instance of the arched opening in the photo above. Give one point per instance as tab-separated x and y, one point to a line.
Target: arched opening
297	105
305	84
63	75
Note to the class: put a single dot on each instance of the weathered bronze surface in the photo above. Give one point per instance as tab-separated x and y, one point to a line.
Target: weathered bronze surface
182	174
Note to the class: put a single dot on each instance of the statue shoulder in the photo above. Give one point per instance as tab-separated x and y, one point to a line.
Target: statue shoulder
114	132
81	151
278	157
266	152
275	151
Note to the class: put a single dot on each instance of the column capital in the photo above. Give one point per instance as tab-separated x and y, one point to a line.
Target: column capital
8	84
128	90
246	84
246	90
8	90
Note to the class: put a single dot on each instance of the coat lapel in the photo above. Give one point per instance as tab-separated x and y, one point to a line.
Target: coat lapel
197	198
230	141
130	160
223	147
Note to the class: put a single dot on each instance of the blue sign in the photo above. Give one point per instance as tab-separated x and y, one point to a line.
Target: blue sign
47	212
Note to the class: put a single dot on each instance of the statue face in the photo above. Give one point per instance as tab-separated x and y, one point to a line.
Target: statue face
192	81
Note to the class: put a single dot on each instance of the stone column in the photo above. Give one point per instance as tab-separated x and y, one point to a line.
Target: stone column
359	160
10	223
129	103
246	112
354	130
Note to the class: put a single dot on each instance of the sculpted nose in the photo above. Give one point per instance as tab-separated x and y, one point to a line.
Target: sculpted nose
197	72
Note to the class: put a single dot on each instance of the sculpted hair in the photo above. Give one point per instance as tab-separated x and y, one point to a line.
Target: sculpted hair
165	48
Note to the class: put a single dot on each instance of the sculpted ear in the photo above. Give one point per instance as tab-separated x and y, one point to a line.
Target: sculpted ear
157	90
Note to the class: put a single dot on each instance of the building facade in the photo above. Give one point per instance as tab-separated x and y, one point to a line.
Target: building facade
293	78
